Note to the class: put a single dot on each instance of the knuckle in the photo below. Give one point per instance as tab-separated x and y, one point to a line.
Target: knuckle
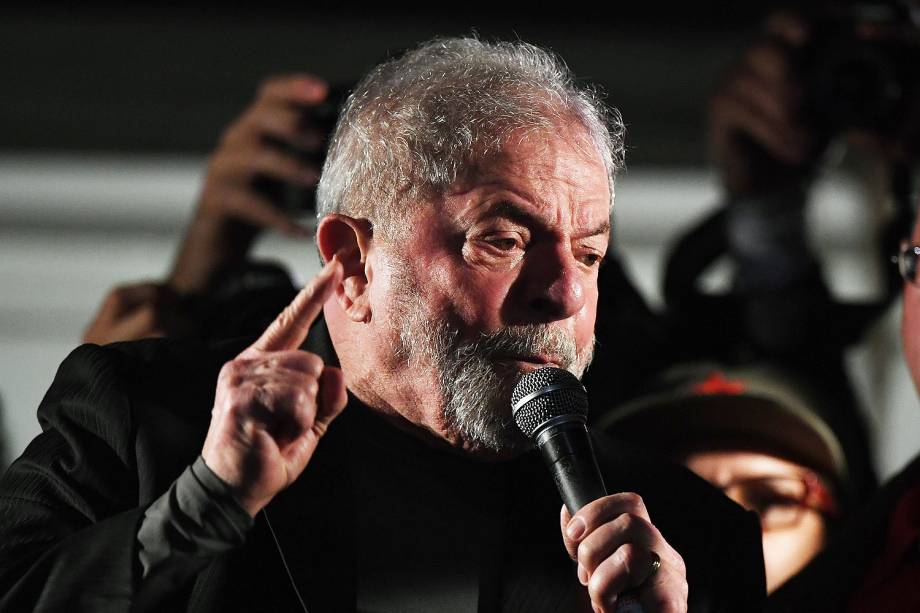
227	136
632	500
624	557
636	523
120	293
596	588
587	553
601	588
252	386
147	315
235	379
301	398
243	394
235	202
234	406
285	319
679	565
227	371
313	363
289	396
310	387
266	85
627	522
669	603
263	159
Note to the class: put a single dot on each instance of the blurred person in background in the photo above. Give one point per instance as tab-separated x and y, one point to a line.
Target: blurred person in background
278	140
772	123
760	434
842	72
875	565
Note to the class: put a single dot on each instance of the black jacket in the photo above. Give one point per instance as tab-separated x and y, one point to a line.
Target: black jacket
121	422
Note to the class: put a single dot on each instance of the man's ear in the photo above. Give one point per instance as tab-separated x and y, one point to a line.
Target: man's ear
350	240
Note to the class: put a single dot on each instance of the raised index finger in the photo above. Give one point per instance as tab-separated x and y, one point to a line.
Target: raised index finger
290	328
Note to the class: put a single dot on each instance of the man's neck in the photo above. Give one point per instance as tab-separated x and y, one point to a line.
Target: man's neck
438	436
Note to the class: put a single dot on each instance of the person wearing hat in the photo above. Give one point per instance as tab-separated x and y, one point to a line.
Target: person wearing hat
763	436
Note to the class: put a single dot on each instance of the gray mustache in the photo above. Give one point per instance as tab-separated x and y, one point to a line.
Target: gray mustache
520	341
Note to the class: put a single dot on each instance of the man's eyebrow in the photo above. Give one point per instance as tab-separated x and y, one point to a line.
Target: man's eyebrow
511	211
601	228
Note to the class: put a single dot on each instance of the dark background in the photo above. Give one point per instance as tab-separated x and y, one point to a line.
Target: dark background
167	79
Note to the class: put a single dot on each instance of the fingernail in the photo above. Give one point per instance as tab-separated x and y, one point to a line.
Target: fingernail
576	528
582	575
329	268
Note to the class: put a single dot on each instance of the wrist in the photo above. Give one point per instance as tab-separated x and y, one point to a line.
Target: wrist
218	483
211	242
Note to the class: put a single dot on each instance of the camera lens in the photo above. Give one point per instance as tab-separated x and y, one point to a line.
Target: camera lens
855	87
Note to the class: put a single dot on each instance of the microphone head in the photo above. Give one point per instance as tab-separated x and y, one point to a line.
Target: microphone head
545	395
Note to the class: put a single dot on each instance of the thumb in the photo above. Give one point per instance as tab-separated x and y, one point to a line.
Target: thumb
571	546
332	398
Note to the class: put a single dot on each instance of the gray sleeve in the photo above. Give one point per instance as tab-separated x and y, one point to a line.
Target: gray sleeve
195	520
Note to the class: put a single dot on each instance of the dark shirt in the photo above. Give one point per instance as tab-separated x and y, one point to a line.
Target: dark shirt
892	583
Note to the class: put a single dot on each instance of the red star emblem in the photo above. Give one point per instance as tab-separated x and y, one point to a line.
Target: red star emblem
716	383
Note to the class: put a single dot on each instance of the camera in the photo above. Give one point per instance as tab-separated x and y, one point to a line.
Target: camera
863	66
299	201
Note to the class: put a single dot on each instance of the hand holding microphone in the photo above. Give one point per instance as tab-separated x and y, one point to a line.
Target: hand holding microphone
622	558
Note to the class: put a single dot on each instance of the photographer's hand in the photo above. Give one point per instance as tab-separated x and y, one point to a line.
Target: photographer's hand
758	135
139	310
261	143
129	312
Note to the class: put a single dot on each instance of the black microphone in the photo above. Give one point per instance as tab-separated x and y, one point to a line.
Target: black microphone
550	406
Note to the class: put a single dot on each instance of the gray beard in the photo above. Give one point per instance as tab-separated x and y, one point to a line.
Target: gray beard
475	385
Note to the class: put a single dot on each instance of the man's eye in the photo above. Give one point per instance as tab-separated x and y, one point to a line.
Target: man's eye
503	243
592	259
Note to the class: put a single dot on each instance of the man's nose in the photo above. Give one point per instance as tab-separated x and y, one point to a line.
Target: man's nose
556	285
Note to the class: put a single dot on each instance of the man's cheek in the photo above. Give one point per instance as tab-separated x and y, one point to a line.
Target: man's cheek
587	317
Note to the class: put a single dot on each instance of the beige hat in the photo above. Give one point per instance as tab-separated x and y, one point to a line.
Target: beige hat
707	405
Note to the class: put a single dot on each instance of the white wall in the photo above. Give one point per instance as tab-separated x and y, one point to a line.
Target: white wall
73	226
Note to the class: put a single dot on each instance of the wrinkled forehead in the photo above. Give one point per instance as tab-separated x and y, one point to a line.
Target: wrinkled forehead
564	154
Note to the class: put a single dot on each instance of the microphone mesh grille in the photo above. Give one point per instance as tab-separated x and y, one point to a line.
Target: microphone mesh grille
570	399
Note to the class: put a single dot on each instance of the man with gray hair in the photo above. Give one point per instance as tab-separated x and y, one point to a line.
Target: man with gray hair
464	212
